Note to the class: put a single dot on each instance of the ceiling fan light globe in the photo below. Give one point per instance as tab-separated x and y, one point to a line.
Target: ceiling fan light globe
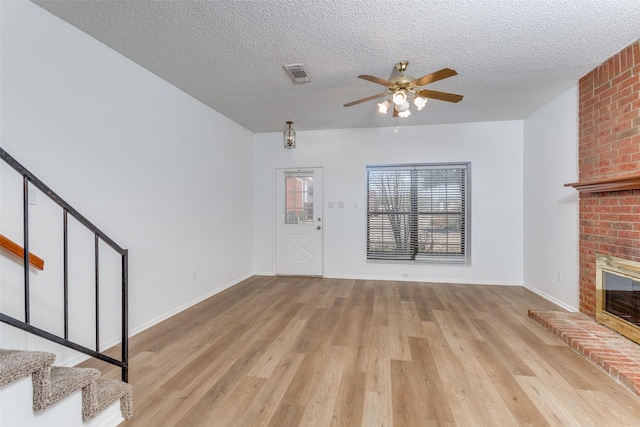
403	107
383	107
399	97
420	102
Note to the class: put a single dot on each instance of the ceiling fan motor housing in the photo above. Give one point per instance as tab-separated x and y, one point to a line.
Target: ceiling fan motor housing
402	81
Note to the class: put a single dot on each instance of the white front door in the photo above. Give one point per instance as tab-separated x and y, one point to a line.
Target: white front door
299	222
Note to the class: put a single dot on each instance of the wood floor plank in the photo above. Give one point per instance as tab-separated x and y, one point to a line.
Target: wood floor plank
291	351
344	288
308	335
613	412
465	379
427	382
378	363
322	401
286	416
278	349
377	410
310	373
350	400
381	298
227	410
194	369
398	334
158	408
555	408
508	358
504	382
267	401
423	307
351	320
204	406
329	296
410	319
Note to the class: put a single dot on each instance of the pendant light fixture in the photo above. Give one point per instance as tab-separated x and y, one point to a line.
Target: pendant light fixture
289	136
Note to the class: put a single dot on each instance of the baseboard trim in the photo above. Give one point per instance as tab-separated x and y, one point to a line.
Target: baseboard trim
550	298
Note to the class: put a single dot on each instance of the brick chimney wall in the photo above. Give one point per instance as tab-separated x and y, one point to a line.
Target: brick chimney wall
609	146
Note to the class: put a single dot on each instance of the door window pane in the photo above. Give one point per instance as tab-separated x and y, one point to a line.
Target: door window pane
298	198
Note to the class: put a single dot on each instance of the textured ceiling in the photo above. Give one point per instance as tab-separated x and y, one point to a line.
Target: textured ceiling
512	57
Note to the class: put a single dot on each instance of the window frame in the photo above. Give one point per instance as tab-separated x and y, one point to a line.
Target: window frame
416	199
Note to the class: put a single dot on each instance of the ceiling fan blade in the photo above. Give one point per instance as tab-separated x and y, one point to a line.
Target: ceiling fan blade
434	77
366	99
442	96
395	112
375	79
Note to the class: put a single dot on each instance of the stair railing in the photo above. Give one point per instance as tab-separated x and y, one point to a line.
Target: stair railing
29	178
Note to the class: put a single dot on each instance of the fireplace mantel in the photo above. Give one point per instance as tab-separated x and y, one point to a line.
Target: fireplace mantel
620	183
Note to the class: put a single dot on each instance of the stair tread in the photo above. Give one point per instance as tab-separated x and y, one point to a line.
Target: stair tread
66	380
112	389
15	364
107	392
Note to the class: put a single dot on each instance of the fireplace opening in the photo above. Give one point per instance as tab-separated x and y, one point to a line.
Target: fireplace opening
618	295
622	297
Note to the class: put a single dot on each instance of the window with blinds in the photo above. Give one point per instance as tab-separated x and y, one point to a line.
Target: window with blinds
418	212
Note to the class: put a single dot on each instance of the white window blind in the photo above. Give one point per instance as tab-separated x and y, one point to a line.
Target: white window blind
417	212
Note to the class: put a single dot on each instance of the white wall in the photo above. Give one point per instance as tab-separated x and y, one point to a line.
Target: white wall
494	150
550	209
164	175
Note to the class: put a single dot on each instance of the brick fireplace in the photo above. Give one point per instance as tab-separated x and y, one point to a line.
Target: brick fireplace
609	156
609	185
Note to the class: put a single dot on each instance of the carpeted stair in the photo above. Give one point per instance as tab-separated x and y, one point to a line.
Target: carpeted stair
52	383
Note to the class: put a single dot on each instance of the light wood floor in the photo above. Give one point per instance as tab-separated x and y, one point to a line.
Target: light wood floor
324	352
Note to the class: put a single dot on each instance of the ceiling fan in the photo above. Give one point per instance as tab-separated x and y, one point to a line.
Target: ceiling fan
402	88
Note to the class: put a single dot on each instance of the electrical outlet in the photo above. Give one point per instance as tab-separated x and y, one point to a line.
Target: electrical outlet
405	274
559	276
194	276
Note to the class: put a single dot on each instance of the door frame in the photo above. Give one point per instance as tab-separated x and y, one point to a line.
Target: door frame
276	173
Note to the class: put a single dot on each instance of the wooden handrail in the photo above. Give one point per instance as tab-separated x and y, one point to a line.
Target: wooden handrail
18	251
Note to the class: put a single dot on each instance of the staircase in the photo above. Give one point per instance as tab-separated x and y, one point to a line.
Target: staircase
51	383
34	392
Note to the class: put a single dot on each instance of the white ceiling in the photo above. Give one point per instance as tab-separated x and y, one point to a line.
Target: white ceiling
512	56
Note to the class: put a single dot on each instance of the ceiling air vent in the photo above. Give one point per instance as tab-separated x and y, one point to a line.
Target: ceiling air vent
297	73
